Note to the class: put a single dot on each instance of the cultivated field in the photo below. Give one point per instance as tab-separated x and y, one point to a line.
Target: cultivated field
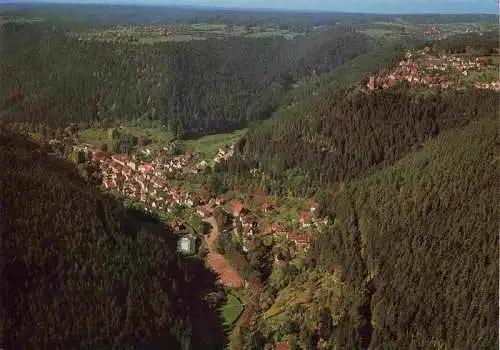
150	34
98	137
207	146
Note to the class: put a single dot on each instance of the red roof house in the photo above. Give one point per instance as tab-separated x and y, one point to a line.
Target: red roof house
371	83
301	240
413	71
305	218
146	168
159	182
238	209
120	159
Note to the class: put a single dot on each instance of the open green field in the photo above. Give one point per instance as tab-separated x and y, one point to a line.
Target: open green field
98	137
492	60
231	311
487	76
197	31
288	208
207	146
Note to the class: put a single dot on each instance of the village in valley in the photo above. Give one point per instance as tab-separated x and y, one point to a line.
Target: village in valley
233	230
154	178
146	182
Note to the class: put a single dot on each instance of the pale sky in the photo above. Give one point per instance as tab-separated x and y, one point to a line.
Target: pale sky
366	6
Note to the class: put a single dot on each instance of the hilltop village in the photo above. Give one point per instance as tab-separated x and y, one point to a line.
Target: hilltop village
427	68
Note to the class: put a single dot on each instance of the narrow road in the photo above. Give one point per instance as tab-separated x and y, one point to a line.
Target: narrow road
227	274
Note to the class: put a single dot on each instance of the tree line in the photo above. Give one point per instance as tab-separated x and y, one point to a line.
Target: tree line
193	88
344	135
415	242
407	259
82	271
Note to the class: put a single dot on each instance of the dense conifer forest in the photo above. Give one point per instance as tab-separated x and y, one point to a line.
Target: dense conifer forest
100	15
407	178
193	88
423	233
409	259
344	135
81	271
404	243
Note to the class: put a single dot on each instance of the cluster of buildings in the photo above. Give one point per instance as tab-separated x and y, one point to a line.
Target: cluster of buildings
224	154
421	67
438	32
160	29
300	240
183	163
143	181
127	30
495	85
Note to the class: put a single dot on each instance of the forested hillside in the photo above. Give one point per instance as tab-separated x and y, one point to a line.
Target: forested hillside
80	271
343	135
195	87
411	259
483	44
361	216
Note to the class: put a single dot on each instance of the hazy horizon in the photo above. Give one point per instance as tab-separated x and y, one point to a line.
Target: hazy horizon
359	6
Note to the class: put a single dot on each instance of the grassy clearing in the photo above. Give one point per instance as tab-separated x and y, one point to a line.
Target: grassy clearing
97	137
207	146
486	76
231	311
288	297
492	59
288	209
198	31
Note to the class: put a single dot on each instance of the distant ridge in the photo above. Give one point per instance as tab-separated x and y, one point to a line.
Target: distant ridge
390	7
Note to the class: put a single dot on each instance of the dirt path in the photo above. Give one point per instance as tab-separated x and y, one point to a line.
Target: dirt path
227	274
